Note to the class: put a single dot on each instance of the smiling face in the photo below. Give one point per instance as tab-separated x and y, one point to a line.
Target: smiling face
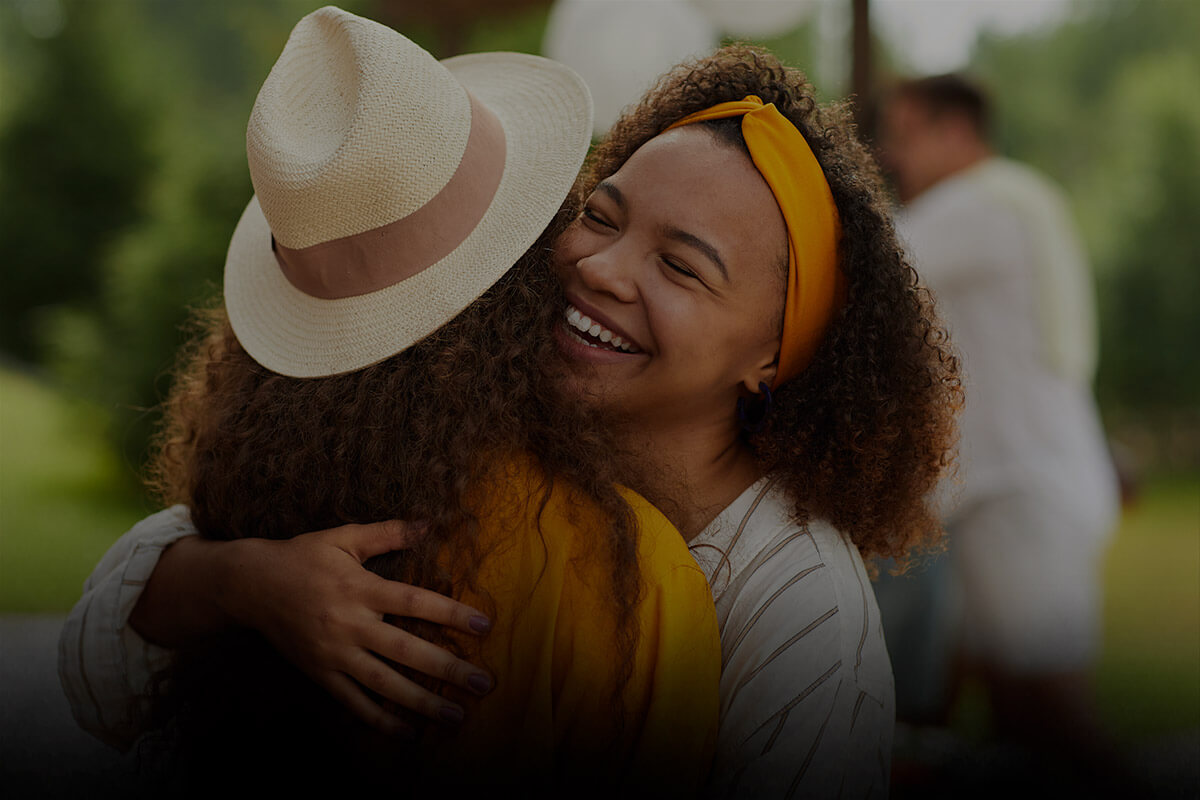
674	275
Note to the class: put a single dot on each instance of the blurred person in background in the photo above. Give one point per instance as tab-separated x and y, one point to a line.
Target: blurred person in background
1017	600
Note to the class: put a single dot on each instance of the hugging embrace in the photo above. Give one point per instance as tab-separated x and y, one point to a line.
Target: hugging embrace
489	471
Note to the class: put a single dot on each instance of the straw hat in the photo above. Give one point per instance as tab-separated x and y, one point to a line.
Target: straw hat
391	190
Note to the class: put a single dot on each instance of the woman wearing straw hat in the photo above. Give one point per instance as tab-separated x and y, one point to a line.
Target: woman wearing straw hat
738	308
374	360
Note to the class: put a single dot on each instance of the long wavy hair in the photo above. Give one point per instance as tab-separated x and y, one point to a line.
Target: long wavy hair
418	436
863	436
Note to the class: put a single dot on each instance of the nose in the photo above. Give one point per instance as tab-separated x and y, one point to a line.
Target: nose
609	270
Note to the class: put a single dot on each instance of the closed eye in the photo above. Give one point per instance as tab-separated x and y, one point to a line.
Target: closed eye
592	216
680	268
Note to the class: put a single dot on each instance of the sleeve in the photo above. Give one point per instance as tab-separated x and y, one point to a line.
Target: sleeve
104	666
789	702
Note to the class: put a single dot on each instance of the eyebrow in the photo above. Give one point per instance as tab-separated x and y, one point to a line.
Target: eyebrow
613	192
671	232
683	237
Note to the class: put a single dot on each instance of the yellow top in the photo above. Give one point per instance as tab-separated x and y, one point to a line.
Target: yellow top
551	718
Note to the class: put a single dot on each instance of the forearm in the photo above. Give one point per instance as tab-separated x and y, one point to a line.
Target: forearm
184	600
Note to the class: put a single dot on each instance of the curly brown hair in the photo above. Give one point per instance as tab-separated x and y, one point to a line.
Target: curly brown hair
419	436
863	436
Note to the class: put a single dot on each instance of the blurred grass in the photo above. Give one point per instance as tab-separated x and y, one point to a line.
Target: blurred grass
1149	675
64	498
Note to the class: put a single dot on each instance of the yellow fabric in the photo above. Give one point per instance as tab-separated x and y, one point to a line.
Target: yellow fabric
551	717
816	286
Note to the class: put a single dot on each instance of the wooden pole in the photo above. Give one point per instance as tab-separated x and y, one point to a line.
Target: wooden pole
861	65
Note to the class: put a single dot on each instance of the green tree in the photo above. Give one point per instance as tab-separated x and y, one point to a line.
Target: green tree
74	159
201	64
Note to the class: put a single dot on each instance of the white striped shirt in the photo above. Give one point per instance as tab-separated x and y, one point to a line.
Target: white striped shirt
807	697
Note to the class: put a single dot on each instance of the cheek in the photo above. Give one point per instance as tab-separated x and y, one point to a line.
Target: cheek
751	332
718	345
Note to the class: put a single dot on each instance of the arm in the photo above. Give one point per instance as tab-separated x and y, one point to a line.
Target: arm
309	596
104	666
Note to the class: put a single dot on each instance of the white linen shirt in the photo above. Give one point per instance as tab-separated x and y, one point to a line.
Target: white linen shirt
807	696
996	246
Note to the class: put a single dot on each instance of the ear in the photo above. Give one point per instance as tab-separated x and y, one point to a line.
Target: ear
763	371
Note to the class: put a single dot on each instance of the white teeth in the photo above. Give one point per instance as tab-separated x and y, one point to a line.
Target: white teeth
581	322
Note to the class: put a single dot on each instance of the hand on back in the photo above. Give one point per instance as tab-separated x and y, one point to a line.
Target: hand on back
311	597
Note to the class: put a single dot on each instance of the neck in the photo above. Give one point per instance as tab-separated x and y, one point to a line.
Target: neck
691	472
963	157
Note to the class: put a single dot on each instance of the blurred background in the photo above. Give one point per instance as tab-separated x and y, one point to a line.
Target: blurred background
122	173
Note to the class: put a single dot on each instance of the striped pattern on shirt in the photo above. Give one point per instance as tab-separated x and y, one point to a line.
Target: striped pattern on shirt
807	699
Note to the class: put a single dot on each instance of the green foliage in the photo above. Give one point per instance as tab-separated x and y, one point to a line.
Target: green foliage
110	322
74	157
1151	274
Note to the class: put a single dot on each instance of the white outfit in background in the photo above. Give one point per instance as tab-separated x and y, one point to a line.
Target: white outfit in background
806	686
1038	497
807	701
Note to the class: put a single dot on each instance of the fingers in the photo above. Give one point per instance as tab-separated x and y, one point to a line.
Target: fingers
402	647
377	538
387	682
403	600
351	695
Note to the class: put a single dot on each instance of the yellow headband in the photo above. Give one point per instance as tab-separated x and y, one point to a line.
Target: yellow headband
816	287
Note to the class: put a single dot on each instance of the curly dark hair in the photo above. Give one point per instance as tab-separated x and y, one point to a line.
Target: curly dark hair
419	436
862	437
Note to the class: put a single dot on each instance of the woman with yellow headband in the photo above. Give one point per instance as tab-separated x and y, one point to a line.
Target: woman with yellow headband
738	307
788	388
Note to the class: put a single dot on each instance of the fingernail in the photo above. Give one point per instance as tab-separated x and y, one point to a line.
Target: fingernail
480	623
451	714
479	683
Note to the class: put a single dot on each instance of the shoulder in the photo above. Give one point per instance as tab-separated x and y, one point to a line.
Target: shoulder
806	588
796	572
661	548
758	544
966	225
971	198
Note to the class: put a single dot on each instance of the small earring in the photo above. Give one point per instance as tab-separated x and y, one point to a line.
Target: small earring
753	420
